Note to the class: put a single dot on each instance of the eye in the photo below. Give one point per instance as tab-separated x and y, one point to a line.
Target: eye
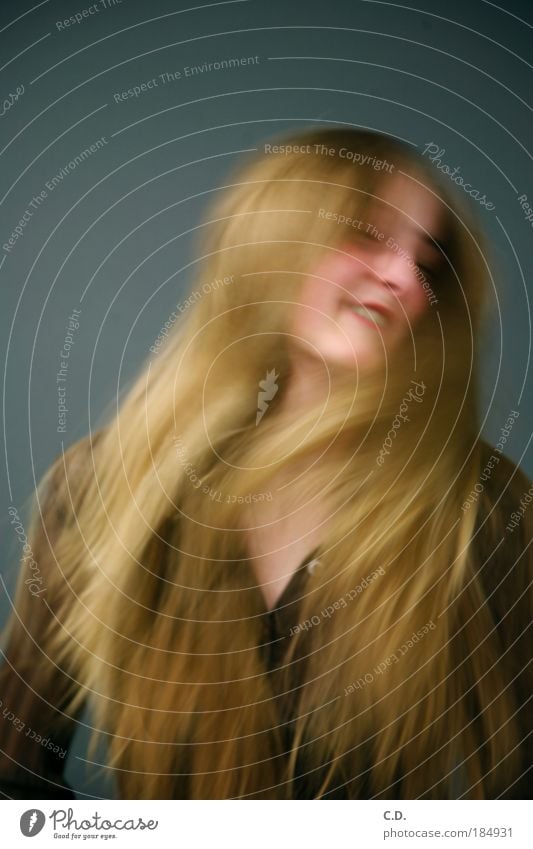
371	235
428	271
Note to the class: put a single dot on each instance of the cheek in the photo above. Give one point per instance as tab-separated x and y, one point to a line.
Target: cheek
321	291
414	301
314	304
333	276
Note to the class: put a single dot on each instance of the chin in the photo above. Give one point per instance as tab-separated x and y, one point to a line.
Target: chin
356	360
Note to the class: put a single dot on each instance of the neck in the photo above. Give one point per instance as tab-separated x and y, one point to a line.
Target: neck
310	382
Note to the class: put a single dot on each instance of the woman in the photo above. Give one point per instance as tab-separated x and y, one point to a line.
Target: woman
283	569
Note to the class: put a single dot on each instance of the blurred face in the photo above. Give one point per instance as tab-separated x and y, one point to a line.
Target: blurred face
365	296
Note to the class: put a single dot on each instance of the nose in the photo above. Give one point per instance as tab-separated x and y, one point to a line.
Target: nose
395	267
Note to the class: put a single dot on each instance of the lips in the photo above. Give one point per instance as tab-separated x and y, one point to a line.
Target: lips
374	314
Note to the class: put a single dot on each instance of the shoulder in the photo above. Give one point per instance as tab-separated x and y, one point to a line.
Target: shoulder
48	563
504	487
502	541
54	519
63	486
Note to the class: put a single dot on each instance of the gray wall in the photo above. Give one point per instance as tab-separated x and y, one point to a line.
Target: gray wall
111	239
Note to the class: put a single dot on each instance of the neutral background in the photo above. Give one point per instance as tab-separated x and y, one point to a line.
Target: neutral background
114	238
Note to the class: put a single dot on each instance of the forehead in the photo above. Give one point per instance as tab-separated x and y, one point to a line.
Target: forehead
406	202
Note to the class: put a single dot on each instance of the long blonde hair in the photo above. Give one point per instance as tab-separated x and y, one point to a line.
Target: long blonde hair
164	636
